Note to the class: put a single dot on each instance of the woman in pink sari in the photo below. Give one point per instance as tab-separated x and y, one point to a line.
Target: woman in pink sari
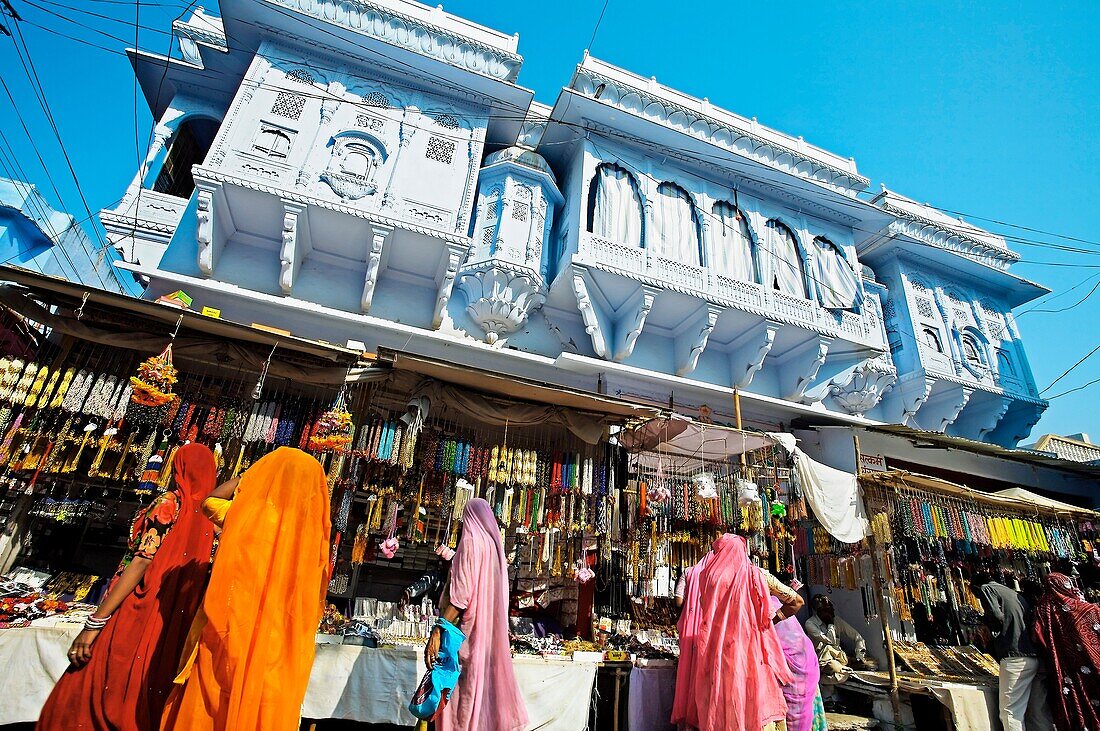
731	662
487	696
801	693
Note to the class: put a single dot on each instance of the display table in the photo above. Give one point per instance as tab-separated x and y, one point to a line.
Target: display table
33	659
347	682
652	690
972	706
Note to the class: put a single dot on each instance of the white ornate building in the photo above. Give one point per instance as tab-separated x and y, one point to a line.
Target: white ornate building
370	171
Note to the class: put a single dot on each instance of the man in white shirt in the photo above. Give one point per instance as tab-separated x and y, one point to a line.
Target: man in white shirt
831	635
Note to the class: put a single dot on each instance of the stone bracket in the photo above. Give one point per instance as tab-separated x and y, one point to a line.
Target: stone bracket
906	398
630	319
591	314
1017	423
692	339
295	245
943	406
800	367
747	352
379	234
985	412
207	236
449	262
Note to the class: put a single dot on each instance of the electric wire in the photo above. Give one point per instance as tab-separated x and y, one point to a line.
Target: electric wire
1016	239
40	93
1070	369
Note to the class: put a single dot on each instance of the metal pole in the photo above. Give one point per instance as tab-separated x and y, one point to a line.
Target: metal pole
880	602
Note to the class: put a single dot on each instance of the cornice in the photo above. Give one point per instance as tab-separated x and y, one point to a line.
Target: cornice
207	175
134	222
321	60
207	36
412	34
688	121
978	386
950	239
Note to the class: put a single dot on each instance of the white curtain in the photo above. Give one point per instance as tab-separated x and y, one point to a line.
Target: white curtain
780	261
618	214
837	281
731	244
676	229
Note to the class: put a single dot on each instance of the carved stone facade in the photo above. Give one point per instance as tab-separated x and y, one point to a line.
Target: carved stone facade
633	238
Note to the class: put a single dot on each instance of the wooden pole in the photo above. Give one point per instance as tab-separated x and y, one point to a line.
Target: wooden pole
880	601
737	416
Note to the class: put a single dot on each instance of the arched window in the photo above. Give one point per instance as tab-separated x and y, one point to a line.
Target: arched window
932	339
358	160
354	164
1004	364
615	206
971	351
675	225
780	263
837	280
274	143
188	147
731	243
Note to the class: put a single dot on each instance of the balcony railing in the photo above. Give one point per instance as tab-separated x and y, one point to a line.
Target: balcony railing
637	263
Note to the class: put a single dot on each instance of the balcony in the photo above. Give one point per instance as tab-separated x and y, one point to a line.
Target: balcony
142	224
861	329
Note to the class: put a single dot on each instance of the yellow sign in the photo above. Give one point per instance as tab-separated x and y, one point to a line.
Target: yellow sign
211	312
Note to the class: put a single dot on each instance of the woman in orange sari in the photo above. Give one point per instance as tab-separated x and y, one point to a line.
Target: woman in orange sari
254	641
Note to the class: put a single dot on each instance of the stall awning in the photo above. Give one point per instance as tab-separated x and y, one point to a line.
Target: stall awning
121	321
1016	499
514	387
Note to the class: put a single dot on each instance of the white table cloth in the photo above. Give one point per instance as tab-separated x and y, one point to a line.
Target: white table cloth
32	658
347	682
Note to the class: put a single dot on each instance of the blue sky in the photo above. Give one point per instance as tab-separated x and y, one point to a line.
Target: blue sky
980	108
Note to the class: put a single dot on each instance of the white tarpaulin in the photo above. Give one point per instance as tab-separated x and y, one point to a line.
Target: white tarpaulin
347	682
1018	493
832	494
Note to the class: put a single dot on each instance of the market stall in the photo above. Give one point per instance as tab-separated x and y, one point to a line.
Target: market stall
927	538
91	420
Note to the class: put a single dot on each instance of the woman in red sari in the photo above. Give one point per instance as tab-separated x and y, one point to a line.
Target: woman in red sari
1067	633
124	660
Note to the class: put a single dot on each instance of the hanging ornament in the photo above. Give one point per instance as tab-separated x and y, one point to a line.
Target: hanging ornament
152	386
258	391
391	544
333	430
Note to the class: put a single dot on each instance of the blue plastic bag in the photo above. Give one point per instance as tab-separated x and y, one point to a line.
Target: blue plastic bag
437	684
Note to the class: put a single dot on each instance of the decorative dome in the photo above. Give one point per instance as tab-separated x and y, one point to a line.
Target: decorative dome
521	156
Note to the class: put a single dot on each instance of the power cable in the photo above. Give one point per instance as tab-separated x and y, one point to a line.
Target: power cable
1073	306
1070	369
1074	390
36	83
